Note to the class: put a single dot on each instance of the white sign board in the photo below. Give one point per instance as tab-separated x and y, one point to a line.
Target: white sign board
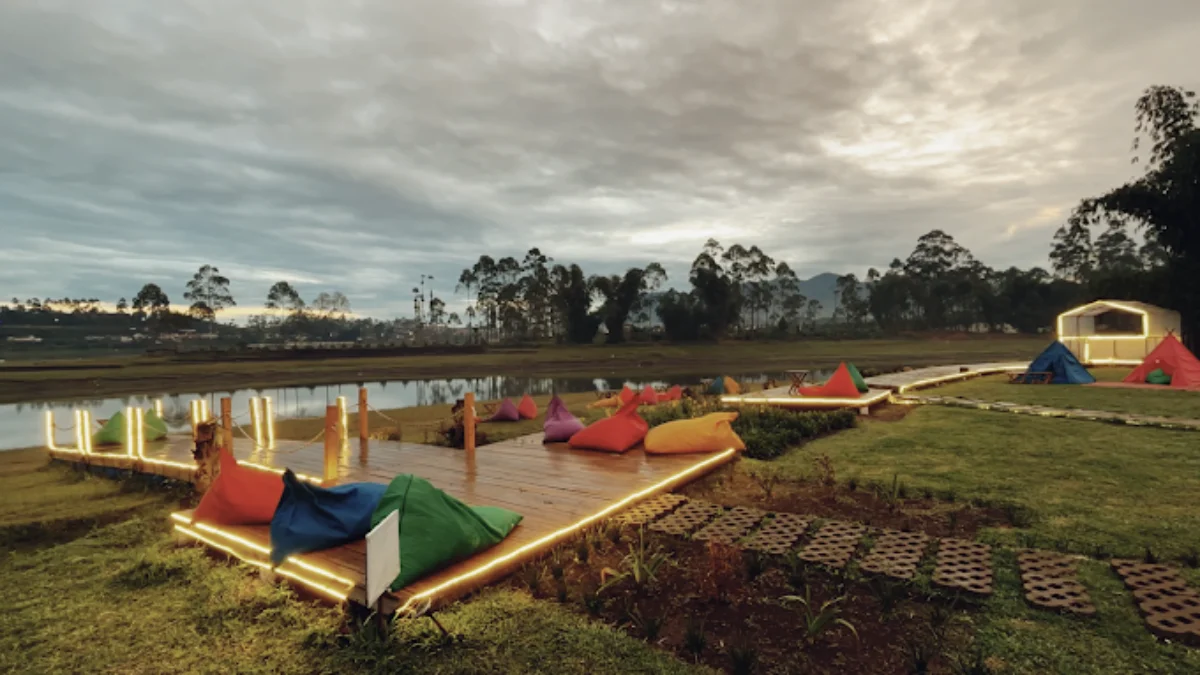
383	556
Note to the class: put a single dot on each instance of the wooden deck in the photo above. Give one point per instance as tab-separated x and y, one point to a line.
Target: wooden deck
555	489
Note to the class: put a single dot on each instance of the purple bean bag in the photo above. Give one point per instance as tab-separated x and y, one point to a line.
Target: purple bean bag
560	424
507	412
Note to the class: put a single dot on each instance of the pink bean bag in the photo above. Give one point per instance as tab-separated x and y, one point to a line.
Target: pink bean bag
560	424
507	412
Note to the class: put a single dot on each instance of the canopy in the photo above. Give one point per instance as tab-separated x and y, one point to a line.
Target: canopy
840	385
724	385
1172	358
1059	361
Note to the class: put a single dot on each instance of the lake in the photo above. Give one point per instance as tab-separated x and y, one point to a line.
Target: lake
21	423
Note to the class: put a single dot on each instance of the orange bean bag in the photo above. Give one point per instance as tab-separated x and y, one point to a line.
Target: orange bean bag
626	395
840	385
649	396
710	433
527	409
618	433
607	402
240	495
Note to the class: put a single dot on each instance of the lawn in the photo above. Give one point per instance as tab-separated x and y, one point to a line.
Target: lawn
1164	403
1086	487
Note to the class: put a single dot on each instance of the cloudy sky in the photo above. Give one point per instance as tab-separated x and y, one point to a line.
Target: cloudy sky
354	145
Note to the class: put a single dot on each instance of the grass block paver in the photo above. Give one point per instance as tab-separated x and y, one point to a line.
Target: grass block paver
687	518
649	510
833	544
1169	606
896	554
731	525
964	565
1050	582
778	535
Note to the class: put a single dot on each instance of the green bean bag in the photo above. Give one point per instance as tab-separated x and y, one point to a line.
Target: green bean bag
113	431
437	529
1158	376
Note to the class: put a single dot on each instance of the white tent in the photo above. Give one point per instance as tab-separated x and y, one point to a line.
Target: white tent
1115	332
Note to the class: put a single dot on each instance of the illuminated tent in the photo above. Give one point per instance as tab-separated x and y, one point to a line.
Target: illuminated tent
859	382
840	385
1115	332
1061	363
113	431
724	385
1174	360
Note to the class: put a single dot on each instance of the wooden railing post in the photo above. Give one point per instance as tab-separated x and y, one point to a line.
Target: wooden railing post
332	444
469	422
364	426
227	423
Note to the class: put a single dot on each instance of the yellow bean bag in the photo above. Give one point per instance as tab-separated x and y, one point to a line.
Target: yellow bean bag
711	433
608	402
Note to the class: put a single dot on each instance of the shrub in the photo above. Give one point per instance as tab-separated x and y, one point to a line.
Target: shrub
767	431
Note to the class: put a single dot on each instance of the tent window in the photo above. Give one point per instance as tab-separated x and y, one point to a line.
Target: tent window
1118	323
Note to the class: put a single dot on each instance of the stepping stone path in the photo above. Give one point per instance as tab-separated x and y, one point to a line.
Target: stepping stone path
964	565
833	544
1049	582
652	509
896	554
1169	606
731	526
687	518
779	535
1131	419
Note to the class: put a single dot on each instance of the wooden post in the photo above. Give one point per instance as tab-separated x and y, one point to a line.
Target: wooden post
469	422
227	423
364	426
332	444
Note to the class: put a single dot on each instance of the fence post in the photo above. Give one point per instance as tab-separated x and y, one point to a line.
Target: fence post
332	444
469	422
364	425
227	423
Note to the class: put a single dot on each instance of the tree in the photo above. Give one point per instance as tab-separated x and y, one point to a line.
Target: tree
209	294
122	305
624	295
811	312
572	297
851	305
468	280
150	300
333	305
717	289
1165	201
282	296
1072	255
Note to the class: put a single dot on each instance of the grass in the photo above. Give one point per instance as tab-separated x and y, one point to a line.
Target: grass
123	598
1165	403
139	375
1088	486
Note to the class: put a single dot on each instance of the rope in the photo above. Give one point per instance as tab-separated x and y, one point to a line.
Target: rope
319	436
381	414
61	428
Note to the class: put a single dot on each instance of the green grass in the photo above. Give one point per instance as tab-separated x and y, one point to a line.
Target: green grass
123	598
1089	486
164	375
1164	403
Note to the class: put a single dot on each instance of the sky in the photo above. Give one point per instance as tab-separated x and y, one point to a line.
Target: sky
355	145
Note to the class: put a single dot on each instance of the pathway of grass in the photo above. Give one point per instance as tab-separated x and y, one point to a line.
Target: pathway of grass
1090	487
1165	403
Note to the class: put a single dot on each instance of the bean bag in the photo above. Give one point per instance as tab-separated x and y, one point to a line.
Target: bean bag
113	431
240	495
840	385
527	408
673	394
710	433
1158	376
311	518
437	529
618	433
606	402
859	382
724	385
649	396
507	412
560	424
626	395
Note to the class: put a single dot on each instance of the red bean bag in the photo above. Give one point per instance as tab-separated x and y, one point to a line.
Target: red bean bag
618	433
527	409
840	385
626	395
649	396
240	495
673	394
507	412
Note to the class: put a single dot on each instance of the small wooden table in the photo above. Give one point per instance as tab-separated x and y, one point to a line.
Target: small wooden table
798	378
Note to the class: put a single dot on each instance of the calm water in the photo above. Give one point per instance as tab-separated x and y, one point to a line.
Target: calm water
21	423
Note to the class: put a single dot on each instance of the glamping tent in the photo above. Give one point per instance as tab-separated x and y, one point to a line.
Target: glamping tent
1169	364
1062	365
724	385
1115	332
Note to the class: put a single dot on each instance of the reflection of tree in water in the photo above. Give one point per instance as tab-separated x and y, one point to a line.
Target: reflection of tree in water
175	412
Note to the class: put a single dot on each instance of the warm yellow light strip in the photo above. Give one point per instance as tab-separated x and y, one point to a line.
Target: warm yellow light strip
158	407
1085	338
810	400
87	432
129	431
1116	362
343	419
256	421
1107	303
139	431
311	583
81	432
264	467
269	414
49	425
554	536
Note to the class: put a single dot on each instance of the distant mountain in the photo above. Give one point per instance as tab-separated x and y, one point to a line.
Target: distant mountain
822	289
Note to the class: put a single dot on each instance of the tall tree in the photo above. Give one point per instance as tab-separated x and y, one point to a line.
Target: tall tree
572	297
624	295
151	300
333	305
282	296
1072	255
122	305
209	294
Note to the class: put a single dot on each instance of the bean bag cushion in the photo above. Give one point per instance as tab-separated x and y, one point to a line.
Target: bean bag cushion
1158	376
859	382
724	385
840	385
649	396
710	433
618	433
311	518
507	412
527	408
673	394
560	424
113	431
437	529
240	495
626	395
607	402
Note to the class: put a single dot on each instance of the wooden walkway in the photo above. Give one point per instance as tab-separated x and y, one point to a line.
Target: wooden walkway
557	490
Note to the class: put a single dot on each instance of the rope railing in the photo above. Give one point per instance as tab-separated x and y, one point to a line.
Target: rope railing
320	435
382	414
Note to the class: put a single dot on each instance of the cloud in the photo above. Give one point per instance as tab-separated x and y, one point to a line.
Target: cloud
357	145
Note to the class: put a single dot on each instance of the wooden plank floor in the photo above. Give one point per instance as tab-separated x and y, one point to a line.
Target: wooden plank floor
554	488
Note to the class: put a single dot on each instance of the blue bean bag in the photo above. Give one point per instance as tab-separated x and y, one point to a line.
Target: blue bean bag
311	518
